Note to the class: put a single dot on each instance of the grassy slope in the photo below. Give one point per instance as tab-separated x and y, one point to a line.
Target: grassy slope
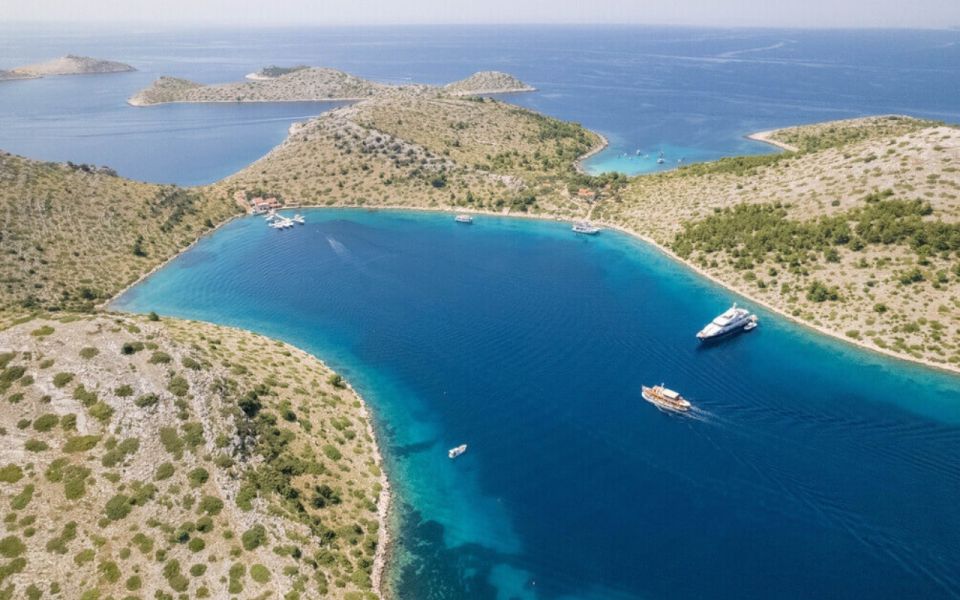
69	233
169	493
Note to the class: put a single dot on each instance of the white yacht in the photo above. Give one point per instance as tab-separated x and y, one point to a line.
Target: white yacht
270	216
464	219
455	452
585	227
660	159
731	320
298	218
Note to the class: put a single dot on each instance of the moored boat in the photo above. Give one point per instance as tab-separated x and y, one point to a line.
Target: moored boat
298	218
464	219
585	227
731	320
665	399
455	452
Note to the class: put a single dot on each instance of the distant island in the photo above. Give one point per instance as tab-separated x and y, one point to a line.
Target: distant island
65	65
487	82
311	84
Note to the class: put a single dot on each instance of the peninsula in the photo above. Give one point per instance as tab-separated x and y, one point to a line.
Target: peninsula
310	84
66	65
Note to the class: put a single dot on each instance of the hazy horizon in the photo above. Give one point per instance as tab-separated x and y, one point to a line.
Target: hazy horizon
813	14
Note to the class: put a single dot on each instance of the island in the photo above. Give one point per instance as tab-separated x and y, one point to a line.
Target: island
214	437
65	65
311	84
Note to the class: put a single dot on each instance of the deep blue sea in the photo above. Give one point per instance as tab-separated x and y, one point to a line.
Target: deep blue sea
809	469
690	93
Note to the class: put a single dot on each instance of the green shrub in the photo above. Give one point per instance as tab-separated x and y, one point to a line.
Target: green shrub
11	547
191	364
101	411
198	570
164	471
84	556
46	422
84	396
42	331
198	477
146	400
259	573
35	445
109	571
62	379
211	505
133	583
88	352
80	443
159	358
196	544
118	507
331	452
129	348
253	538
336	381
58	544
171	441
124	391
178	386
820	292
119	453
21	500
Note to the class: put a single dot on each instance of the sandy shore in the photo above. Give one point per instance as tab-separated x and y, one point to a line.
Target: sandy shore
578	164
765	137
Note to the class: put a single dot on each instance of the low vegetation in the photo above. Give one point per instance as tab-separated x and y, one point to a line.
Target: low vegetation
233	466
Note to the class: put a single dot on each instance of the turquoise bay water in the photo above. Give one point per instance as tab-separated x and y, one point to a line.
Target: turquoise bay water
809	469
689	92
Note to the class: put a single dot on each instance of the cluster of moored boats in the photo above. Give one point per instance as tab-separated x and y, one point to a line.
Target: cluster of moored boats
733	320
584	227
278	221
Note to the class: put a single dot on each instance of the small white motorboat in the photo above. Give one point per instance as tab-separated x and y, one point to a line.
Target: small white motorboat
455	452
467	219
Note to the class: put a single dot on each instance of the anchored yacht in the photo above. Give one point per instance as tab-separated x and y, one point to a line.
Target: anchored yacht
464	219
585	227
731	320
455	452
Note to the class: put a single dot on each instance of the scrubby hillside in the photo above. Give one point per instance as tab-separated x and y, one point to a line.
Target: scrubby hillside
73	235
421	149
858	233
162	459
